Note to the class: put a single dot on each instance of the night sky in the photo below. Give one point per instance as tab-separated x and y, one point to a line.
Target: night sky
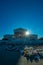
21	13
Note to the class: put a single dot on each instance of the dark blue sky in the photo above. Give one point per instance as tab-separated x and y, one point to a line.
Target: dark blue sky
21	13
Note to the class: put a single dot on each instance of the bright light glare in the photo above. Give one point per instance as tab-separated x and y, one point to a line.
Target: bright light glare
27	33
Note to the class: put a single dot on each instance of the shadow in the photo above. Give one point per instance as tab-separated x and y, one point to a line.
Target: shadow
9	57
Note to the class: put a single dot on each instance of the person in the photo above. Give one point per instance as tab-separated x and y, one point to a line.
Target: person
31	54
36	56
28	54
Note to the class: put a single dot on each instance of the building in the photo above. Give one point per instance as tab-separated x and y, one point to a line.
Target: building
7	36
20	37
19	32
33	36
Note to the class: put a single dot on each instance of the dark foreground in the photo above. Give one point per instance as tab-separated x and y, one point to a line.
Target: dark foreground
8	57
14	58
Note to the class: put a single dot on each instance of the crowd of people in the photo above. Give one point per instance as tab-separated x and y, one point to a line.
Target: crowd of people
31	54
